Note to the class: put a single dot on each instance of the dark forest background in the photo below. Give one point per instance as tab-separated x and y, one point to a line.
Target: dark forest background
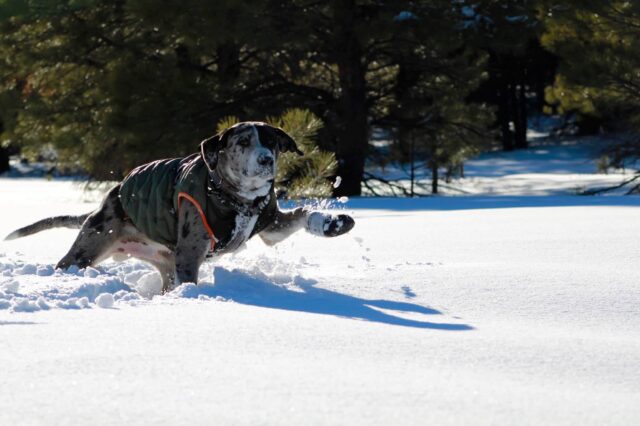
112	84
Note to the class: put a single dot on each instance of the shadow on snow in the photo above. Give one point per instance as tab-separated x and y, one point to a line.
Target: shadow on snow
17	322
261	291
487	202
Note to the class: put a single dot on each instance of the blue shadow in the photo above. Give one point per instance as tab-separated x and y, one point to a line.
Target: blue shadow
261	291
17	322
484	202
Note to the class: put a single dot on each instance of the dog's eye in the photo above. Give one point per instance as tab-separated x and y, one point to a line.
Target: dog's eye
269	143
244	142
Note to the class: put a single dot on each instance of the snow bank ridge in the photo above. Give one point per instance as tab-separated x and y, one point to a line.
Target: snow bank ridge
28	287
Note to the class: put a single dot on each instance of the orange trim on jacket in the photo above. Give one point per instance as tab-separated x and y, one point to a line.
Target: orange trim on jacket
192	200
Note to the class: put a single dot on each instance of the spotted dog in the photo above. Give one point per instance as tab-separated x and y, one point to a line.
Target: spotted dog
174	213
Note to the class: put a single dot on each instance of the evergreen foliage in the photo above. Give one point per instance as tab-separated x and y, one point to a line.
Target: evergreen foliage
518	67
112	84
599	43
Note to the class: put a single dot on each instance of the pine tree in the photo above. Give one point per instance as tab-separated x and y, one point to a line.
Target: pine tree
349	54
518	67
433	121
112	84
126	80
599	43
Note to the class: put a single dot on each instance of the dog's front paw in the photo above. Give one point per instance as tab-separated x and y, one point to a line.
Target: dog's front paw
327	225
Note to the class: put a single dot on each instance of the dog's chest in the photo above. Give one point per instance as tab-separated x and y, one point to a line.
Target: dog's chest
234	225
244	224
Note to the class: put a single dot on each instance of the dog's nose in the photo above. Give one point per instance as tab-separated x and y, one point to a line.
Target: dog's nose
265	160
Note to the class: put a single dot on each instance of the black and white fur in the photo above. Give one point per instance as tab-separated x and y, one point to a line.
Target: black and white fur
243	160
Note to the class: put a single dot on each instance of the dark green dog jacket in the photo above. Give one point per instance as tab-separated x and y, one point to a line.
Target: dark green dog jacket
152	194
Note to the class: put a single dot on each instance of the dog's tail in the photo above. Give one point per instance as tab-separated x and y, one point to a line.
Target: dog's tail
48	223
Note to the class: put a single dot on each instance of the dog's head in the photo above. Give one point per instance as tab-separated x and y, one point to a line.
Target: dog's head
245	156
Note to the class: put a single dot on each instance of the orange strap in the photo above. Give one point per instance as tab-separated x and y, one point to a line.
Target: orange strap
192	200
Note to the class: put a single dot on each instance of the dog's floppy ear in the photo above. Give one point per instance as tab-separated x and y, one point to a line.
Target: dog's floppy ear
209	149
286	142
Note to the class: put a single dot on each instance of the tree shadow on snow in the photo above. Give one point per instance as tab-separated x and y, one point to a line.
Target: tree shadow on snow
260	290
17	322
487	202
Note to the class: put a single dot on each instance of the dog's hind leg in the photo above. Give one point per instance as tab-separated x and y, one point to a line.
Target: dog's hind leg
97	235
134	244
167	270
167	274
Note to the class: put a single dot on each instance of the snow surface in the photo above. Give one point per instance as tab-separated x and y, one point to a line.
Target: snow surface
445	310
553	166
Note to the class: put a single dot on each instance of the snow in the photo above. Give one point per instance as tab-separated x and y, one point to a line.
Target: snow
564	166
105	300
480	309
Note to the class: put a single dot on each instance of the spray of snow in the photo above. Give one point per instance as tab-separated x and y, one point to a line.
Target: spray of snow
337	182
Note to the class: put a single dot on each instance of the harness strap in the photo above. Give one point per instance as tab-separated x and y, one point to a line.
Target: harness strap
192	200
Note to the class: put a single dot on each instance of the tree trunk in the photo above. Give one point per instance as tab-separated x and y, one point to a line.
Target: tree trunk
504	116
434	177
4	154
352	127
228	61
413	165
433	163
520	111
4	160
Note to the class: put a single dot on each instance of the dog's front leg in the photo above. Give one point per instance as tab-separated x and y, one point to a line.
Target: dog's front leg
328	225
316	223
192	245
283	225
